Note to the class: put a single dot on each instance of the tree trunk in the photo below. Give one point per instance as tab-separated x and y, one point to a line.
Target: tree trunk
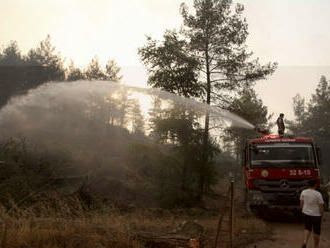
184	170
207	124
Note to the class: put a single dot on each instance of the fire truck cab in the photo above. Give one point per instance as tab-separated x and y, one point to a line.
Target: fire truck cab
277	169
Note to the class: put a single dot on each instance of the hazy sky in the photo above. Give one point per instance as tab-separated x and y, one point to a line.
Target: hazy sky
291	32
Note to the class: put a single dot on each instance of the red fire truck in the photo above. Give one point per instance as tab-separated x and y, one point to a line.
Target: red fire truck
277	169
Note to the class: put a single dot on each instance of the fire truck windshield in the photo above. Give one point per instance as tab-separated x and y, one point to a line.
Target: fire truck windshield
289	155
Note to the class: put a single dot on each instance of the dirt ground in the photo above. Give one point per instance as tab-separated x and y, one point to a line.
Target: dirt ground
290	234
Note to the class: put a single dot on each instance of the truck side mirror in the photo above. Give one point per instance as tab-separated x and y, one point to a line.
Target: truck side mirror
319	155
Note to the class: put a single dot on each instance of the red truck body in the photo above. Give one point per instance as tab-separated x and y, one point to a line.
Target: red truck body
277	169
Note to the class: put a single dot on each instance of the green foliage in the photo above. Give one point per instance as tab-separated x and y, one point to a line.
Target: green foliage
159	174
179	128
212	45
217	37
137	119
93	71
112	71
11	55
20	73
207	59
170	66
120	110
24	171
74	74
250	108
44	55
313	120
96	127
299	109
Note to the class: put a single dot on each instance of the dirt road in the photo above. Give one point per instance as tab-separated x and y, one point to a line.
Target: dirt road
289	235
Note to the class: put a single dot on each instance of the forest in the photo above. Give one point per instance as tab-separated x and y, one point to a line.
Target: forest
80	142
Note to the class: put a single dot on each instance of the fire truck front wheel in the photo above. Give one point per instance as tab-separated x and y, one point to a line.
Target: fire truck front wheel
253	200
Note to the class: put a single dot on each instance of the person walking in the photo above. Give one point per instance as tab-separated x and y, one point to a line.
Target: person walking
311	202
280	124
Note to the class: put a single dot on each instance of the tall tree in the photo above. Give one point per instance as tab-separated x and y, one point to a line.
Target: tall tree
11	55
300	112
137	119
112	71
318	118
170	66
17	75
179	127
213	38
74	73
313	121
45	55
155	112
217	39
252	109
94	71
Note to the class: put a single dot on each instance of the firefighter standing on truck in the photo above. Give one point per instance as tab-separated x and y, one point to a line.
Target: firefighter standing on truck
280	124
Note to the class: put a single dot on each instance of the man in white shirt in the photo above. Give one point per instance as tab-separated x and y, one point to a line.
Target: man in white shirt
311	202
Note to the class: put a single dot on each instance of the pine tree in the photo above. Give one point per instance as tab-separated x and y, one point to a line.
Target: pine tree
74	74
210	49
94	71
112	71
45	55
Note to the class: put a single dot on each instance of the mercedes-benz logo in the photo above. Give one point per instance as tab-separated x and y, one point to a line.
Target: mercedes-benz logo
284	184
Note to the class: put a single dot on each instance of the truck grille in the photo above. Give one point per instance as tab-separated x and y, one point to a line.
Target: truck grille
281	185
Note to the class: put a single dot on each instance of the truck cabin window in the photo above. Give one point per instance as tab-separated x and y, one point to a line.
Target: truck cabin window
282	156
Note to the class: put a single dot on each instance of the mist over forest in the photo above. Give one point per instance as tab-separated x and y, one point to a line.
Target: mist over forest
78	138
48	105
56	113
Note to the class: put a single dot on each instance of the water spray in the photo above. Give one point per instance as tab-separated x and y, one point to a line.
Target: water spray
263	131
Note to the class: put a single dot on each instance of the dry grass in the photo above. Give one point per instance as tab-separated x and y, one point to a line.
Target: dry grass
107	228
111	228
97	231
53	221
